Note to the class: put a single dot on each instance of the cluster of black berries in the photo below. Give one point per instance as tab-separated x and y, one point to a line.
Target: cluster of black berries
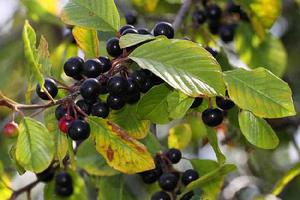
214	116
168	178
63	181
220	22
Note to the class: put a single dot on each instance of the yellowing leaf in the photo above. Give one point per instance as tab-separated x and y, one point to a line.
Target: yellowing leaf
120	151
50	5
179	136
148	6
87	40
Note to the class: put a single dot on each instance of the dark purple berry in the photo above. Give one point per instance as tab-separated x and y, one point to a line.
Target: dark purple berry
164	28
188	176
73	66
113	48
197	102
91	68
79	130
50	86
212	117
174	155
115	102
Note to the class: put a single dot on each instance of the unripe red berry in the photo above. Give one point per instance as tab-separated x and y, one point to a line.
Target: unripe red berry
11	129
64	123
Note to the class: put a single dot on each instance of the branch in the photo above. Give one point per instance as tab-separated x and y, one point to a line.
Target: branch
181	14
26	188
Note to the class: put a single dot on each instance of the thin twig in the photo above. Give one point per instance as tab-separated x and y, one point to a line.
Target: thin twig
181	14
26	188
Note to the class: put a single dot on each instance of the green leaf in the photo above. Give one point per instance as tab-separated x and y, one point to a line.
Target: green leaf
199	130
152	143
178	104
257	131
35	146
44	56
179	136
260	92
135	127
113	188
94	14
79	189
60	139
269	53
213	141
87	40
93	163
12	154
212	188
129	40
153	105
184	65
120	151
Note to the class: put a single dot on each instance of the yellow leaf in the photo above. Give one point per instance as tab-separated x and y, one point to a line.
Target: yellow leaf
179	136
148	6
120	151
87	40
5	192
50	5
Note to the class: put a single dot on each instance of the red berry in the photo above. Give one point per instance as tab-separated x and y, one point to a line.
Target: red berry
11	129
64	123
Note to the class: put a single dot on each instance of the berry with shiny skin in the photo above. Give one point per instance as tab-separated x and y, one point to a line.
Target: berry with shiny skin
105	64
224	104
125	27
198	17
164	28
64	191
143	31
60	111
212	117
73	66
152	175
133	87
133	98
11	129
197	102
213	52
84	106
92	68
213	12
130	30
168	181
117	85
64	123
50	86
115	102
63	179
226	33
89	89
79	130
146	86
174	155
140	77
46	175
161	195
100	110
188	176
187	196
131	18
214	27
113	48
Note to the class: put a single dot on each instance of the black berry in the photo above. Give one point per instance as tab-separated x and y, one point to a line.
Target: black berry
84	106
161	195
214	27
133	87
164	28
139	76
47	175
50	86
64	191
226	33
89	89
60	112
130	30
187	196
131	18
197	102
143	31
133	98
113	48
115	102
174	155
189	176
73	67
105	64
198	17
168	181
63	179
100	110
79	130
212	117
146	86
224	104
117	85
92	68
213	12
125	27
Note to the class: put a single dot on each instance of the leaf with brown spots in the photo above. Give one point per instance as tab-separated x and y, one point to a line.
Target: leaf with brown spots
121	151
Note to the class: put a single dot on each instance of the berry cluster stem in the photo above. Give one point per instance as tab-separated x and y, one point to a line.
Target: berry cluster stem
181	14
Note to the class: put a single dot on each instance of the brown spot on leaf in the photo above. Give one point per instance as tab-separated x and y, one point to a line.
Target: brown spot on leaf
110	153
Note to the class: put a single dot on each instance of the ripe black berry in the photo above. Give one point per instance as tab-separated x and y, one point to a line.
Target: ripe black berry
214	26
198	17
100	110
60	112
213	52
89	89
130	30
133	98
212	117
143	31
197	102
174	155
161	195
47	175
63	179
50	86
91	68
73	66
133	87
213	12
84	106
146	86
113	48
164	28
125	27
79	130
115	102
131	18
189	176
233	8
105	64
149	177
64	191
226	33
139	76
187	196
224	104
117	85
168	181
